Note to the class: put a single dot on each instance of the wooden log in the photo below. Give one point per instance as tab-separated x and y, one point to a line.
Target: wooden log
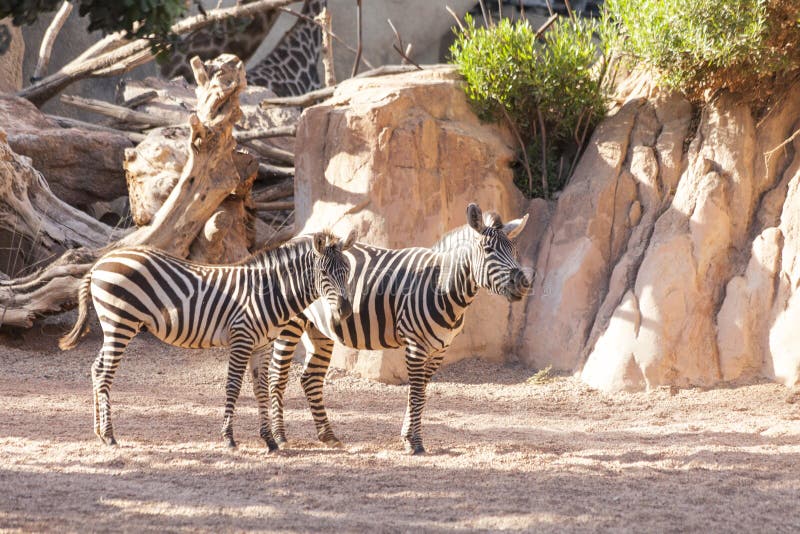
266	172
121	113
312	97
68	122
213	172
282	189
265	133
87	65
280	205
271	152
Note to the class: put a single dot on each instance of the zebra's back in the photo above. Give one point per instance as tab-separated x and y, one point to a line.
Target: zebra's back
182	303
394	293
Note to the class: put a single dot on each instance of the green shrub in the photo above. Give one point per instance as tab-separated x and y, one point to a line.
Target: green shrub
549	90
700	45
140	18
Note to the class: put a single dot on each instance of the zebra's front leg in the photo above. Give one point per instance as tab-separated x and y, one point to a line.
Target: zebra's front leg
259	366
241	348
283	350
416	358
316	367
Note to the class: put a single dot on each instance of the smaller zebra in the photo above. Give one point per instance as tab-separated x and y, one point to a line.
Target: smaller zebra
192	305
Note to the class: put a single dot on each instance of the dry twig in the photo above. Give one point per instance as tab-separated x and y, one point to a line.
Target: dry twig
49	39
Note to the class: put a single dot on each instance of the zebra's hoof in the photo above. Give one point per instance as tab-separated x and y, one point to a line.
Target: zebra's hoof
231	444
281	443
272	446
333	443
413	449
110	441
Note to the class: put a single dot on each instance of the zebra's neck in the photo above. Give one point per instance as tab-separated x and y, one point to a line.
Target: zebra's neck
289	268
457	277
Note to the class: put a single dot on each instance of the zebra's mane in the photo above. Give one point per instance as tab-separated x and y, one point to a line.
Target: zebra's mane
268	250
462	234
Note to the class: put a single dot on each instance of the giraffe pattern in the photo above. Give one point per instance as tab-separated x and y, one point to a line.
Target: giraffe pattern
291	68
241	36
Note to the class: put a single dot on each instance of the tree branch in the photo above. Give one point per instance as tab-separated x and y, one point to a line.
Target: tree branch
43	90
49	39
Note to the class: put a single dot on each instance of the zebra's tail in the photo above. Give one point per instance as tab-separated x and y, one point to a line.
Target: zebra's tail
70	339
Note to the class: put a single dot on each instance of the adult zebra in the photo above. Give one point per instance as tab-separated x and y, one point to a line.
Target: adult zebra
413	297
192	305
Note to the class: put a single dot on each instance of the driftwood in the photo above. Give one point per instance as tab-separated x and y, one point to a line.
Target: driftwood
312	97
213	172
265	133
123	114
49	39
279	205
282	189
68	122
110	56
271	152
267	172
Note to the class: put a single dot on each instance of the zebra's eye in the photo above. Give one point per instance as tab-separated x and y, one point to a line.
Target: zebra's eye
487	249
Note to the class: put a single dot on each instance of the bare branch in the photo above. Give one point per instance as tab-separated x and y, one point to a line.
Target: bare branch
329	33
46	88
264	133
312	97
49	39
278	205
360	42
398	47
137	119
324	20
543	28
66	122
453	14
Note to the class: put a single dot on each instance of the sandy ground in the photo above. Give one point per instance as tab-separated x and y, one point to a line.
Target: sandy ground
504	454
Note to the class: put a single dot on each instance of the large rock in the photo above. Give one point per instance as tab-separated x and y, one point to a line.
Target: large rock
671	257
399	158
710	297
81	166
11	59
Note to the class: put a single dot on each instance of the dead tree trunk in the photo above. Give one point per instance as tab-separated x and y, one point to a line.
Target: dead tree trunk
214	173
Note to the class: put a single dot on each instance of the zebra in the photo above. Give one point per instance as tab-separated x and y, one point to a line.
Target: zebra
193	305
413	297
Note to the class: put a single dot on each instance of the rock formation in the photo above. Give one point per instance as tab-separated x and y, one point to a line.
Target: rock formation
398	158
669	258
81	166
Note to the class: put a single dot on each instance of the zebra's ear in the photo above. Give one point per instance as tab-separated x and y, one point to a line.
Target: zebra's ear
350	239
320	240
475	218
515	227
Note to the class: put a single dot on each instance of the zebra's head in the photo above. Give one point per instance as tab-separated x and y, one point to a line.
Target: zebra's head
494	256
331	270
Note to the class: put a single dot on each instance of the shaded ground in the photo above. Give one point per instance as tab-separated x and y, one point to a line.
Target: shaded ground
503	453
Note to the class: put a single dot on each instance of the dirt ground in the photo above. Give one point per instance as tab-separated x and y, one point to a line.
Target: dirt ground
504	453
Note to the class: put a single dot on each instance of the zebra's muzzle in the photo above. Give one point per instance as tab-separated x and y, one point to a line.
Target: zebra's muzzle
343	310
518	286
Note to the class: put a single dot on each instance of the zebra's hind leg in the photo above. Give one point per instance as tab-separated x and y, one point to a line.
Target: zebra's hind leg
115	339
316	367
284	347
416	360
241	349
259	366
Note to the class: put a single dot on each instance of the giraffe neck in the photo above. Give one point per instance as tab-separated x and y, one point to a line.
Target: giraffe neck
291	68
240	36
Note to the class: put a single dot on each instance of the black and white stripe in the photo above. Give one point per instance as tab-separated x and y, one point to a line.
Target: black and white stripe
192	305
414	297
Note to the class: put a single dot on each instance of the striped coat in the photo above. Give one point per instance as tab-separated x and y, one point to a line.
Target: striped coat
413	298
193	305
